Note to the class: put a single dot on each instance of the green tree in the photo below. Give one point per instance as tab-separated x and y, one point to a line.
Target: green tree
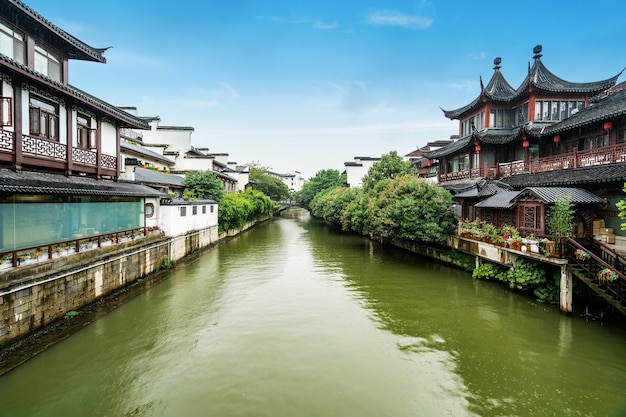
412	209
236	209
323	180
390	166
269	185
621	205
561	217
203	185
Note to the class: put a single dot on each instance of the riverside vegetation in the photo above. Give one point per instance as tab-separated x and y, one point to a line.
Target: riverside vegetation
394	204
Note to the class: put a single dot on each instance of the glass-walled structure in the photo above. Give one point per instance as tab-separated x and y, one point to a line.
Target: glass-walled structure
30	220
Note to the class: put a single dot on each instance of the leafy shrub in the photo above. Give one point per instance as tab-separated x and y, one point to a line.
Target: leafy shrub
525	275
488	270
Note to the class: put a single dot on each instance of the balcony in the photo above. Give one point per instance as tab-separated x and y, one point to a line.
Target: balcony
42	152
614	154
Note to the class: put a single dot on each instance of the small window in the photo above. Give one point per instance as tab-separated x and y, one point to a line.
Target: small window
12	43
48	63
85	136
203	209
183	211
211	209
194	210
149	209
44	119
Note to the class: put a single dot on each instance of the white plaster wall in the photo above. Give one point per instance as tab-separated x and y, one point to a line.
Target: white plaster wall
173	224
193	164
108	141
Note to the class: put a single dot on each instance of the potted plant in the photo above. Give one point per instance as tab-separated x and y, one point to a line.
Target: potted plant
606	276
581	255
561	222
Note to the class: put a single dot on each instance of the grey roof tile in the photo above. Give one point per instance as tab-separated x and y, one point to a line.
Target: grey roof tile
28	182
569	177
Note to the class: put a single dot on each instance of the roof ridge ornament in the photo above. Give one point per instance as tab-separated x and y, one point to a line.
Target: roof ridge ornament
496	62
537	51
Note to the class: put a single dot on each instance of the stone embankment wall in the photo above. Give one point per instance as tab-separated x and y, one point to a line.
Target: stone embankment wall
35	295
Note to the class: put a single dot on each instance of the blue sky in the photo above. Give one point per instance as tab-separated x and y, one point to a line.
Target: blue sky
308	85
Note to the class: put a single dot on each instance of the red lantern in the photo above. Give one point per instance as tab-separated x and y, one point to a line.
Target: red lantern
477	148
557	139
525	144
608	125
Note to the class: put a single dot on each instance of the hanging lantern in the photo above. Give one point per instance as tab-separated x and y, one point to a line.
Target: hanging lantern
525	144
477	147
608	125
557	139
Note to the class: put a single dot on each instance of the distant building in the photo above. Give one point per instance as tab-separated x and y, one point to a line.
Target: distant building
358	169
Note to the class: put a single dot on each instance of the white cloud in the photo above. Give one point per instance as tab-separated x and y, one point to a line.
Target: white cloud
394	18
321	25
477	57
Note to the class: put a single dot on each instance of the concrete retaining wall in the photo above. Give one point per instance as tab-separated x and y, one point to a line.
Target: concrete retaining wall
34	296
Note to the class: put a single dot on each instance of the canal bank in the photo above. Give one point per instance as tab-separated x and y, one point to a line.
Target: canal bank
42	304
296	318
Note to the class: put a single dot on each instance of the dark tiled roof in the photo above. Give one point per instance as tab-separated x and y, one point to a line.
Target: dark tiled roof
455	114
567	177
145	152
610	106
550	194
127	119
540	77
181	202
147	176
75	48
498	136
448	149
26	182
503	200
483	188
498	87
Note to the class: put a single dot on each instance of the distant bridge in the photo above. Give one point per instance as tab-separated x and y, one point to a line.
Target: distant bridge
284	205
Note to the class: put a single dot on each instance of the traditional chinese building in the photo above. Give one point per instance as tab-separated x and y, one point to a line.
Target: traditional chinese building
547	132
59	146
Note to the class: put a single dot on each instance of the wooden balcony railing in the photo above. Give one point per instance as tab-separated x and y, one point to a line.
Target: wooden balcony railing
35	148
613	154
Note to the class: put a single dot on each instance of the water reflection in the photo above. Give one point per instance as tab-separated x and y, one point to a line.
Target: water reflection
510	355
296	319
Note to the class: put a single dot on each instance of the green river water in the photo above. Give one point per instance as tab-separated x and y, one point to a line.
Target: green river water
296	319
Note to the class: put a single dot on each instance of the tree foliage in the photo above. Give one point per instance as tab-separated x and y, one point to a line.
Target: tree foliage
323	180
203	185
413	209
404	207
236	209
269	185
621	206
390	166
561	217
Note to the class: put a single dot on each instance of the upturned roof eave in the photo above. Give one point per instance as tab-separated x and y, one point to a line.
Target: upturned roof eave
76	48
126	119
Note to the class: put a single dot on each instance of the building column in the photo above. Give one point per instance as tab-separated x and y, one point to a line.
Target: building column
565	299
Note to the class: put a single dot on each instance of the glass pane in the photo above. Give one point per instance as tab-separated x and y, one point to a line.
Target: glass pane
34	121
47	221
538	110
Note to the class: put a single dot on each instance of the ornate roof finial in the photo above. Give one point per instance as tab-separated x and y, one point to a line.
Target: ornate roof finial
537	51
497	63
482	87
